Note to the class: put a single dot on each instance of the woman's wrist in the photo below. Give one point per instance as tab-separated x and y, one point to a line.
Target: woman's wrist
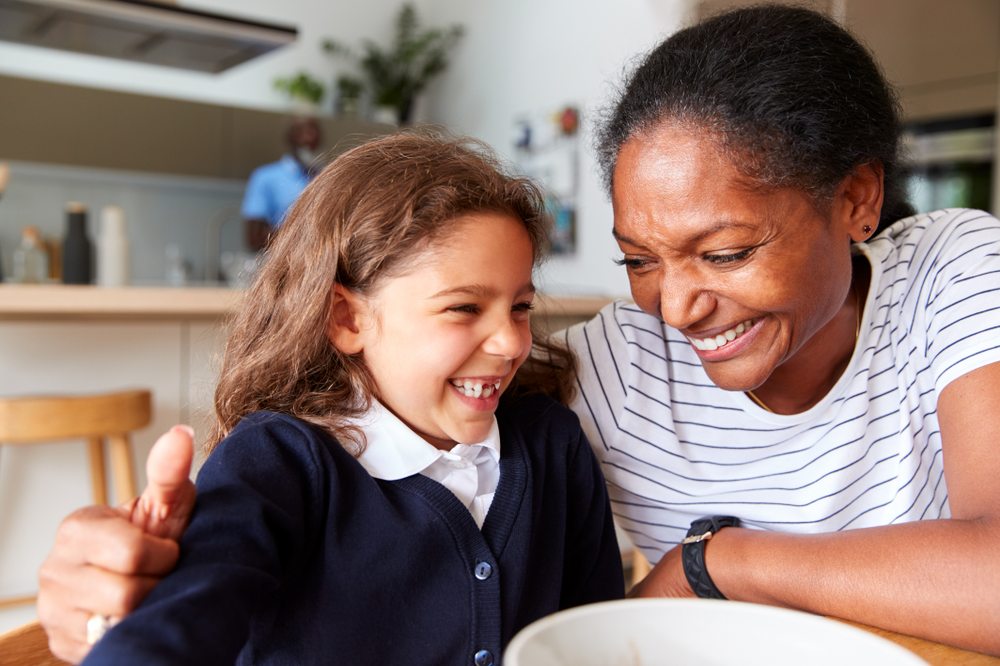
727	562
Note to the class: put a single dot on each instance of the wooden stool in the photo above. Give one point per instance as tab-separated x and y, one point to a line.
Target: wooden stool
26	645
110	416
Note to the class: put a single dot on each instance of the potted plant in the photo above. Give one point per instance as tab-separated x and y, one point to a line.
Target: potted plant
303	90
349	89
397	74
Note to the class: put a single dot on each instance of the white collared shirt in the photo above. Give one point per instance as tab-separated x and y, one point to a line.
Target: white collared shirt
393	451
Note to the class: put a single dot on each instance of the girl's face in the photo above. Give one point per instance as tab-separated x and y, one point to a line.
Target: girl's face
751	276
444	340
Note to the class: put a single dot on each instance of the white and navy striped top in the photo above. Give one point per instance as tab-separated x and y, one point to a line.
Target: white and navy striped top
674	447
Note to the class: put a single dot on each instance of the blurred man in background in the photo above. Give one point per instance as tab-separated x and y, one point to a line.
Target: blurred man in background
273	187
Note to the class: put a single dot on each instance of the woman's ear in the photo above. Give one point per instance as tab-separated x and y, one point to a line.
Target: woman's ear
861	195
345	326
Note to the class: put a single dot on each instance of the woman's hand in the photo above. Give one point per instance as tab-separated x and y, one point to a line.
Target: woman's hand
667	578
106	560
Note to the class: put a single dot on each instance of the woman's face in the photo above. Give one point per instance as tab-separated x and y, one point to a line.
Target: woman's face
750	275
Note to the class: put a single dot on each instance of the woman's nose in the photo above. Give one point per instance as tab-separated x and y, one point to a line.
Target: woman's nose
684	300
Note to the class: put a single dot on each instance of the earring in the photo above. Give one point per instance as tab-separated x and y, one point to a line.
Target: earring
867	229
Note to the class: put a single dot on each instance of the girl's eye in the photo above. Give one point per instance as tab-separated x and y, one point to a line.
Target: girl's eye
633	263
720	259
467	308
525	307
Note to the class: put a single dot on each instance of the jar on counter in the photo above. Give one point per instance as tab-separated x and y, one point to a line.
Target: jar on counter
31	261
112	249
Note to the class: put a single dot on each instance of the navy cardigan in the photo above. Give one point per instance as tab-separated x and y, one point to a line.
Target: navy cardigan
296	555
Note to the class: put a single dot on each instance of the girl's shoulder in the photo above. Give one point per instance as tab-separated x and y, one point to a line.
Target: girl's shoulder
532	417
280	441
532	407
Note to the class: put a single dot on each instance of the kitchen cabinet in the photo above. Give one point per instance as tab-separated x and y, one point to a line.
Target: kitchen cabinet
64	124
941	56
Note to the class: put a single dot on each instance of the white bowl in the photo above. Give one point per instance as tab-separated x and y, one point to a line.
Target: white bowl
649	632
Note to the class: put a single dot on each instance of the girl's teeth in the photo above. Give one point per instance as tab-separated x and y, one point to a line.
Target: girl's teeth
721	340
473	389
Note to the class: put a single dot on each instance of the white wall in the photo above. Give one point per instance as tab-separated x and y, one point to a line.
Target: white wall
526	56
249	84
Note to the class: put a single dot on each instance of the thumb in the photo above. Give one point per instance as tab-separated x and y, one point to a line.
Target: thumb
165	505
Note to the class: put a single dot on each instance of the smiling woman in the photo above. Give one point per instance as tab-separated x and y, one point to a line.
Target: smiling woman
744	272
807	370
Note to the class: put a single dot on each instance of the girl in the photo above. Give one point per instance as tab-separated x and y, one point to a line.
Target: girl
369	497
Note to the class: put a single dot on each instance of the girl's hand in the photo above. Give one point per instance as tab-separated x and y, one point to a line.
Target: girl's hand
666	579
106	560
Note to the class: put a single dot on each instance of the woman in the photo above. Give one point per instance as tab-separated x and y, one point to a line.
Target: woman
807	384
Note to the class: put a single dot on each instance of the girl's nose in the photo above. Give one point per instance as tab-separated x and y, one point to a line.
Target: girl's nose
510	339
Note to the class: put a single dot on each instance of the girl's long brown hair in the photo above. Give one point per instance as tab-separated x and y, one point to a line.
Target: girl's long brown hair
359	222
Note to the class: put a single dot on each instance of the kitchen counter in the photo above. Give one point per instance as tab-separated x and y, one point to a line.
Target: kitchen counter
57	301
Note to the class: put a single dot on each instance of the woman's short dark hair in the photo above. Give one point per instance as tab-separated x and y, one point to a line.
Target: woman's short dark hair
791	96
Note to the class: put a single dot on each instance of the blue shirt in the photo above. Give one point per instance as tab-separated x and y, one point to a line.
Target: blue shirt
272	189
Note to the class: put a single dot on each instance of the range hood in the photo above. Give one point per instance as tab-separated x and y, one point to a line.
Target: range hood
157	33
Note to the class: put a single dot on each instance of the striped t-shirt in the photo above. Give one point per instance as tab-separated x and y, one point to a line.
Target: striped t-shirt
675	447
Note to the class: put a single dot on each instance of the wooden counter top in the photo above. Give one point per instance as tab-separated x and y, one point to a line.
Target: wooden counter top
59	301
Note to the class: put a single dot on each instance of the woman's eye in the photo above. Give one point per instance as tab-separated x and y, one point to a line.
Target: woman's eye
729	258
633	263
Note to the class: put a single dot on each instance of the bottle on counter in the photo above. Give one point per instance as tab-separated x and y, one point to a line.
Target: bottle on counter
77	250
31	261
112	249
177	266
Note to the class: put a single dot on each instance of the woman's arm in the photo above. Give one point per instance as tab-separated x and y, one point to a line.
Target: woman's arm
260	499
106	560
937	579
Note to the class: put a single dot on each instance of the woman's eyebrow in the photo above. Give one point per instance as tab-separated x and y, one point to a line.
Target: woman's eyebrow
718	227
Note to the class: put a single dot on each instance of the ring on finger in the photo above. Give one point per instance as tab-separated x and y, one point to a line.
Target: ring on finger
97	626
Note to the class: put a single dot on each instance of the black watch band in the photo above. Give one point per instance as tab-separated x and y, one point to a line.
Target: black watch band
693	554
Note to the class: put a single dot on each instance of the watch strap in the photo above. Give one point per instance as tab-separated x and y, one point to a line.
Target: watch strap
693	554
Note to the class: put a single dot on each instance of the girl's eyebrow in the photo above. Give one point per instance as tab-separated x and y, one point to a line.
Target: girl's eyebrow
479	290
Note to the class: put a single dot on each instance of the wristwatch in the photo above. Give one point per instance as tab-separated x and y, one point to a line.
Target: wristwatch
693	554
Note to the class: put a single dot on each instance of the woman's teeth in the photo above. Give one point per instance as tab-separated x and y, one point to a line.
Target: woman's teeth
721	340
473	389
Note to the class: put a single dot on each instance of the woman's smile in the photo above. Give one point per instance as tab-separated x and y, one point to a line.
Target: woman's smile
731	342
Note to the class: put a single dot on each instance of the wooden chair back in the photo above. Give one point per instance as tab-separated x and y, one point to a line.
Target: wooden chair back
26	645
97	418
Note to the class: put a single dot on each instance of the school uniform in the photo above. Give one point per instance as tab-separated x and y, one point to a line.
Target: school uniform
296	554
